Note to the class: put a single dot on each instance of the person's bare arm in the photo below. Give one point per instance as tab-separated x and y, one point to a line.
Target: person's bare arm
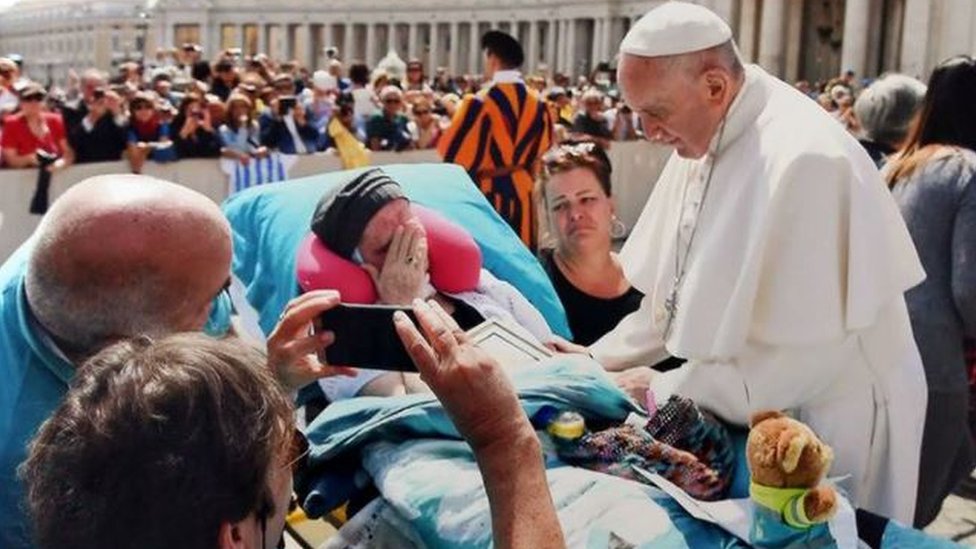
483	405
14	160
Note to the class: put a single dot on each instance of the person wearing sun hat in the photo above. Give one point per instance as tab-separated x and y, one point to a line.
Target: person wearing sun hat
772	258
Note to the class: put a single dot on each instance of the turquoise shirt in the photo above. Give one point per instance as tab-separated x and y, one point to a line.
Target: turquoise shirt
34	377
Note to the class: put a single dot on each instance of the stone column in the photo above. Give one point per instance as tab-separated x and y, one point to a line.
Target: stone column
454	52
915	39
606	33
595	46
474	47
371	44
325	37
747	30
391	40
771	35
434	46
551	46
240	39
303	44
794	41
533	45
571	50
854	49
563	44
412	41
262	38
348	45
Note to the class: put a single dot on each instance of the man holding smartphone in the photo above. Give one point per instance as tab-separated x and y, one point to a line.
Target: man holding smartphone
284	124
116	257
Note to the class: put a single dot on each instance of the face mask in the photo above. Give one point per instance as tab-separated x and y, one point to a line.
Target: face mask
220	312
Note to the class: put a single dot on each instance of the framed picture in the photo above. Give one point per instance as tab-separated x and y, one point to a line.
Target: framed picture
510	345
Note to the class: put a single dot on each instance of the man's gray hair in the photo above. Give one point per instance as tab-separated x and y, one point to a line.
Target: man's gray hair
888	106
724	56
86	310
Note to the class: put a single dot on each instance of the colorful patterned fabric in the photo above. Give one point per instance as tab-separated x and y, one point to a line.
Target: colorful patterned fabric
681	443
498	137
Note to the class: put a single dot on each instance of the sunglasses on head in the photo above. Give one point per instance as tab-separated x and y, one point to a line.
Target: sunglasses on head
569	154
31	98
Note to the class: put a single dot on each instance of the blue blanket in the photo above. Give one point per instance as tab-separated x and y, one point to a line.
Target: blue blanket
430	483
412	452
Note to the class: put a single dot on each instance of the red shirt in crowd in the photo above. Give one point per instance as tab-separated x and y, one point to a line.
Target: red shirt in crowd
17	134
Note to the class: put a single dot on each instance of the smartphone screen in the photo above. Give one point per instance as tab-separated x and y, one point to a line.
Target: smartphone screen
365	337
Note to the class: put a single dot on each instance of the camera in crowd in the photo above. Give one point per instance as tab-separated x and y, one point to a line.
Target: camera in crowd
286	104
45	158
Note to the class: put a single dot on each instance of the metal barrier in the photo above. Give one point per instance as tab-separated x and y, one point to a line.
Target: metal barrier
636	166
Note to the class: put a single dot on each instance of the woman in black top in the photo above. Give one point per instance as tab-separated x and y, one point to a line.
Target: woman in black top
195	134
583	268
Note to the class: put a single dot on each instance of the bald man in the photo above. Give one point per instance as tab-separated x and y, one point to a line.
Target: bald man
115	257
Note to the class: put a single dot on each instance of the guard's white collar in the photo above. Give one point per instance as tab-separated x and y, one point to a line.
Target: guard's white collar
507	77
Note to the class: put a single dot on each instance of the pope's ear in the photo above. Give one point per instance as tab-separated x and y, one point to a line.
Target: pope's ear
717	84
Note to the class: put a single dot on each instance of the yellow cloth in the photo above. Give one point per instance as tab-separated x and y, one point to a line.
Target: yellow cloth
351	150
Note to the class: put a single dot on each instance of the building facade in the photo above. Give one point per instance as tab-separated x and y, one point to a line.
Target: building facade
55	36
794	39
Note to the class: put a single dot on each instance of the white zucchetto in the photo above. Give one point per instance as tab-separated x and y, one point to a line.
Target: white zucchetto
675	28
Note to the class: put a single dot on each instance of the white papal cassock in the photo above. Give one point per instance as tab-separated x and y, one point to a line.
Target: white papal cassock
793	297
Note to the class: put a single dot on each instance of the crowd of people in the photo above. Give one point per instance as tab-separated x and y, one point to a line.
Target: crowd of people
181	106
790	296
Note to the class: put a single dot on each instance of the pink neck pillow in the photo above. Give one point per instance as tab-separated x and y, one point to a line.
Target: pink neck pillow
454	258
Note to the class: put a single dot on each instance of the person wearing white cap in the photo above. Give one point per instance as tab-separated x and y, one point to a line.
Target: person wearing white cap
772	258
321	102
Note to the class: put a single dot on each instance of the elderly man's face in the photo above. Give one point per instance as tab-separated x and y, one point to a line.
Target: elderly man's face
392	104
375	243
676	108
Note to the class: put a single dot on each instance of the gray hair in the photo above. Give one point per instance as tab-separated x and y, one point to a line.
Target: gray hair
725	56
86	311
888	106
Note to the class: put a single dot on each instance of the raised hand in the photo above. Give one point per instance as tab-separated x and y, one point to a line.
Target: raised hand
469	383
405	268
293	347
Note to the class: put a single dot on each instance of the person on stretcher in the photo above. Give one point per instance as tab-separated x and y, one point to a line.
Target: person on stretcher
373	245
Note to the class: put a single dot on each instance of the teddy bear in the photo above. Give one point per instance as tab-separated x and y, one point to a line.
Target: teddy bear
787	462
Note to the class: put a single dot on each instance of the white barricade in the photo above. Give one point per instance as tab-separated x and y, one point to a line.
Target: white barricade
636	166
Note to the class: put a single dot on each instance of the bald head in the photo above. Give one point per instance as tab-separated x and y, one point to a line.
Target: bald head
123	255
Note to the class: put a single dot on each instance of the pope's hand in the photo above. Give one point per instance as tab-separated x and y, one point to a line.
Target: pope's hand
405	268
471	385
635	382
293	347
560	345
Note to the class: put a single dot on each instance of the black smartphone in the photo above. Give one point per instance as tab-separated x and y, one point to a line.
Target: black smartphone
365	337
285	104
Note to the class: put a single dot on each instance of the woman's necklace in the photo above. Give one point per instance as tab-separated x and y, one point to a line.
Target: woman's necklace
681	263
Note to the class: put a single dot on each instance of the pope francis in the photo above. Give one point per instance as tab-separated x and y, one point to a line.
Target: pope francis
771	257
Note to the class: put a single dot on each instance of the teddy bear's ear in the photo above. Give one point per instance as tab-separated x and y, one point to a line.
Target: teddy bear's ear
790	447
763	415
